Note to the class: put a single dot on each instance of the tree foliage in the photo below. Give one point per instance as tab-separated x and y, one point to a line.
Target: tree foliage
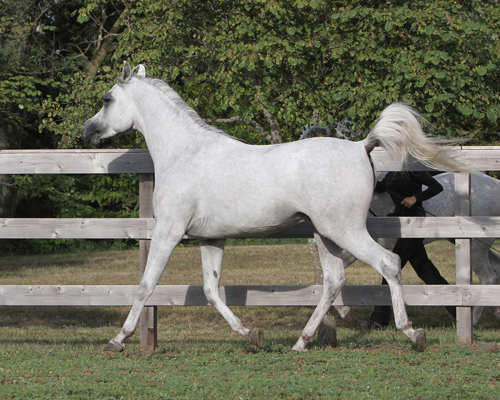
259	69
266	66
276	62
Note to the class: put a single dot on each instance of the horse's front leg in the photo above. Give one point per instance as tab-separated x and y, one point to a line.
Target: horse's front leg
162	245
212	252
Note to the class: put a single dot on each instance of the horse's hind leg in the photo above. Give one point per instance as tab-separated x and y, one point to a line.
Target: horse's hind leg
484	264
494	260
360	244
388	265
212	252
334	279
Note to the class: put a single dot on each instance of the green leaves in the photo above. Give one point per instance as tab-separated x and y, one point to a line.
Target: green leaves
346	59
465	109
440	75
481	71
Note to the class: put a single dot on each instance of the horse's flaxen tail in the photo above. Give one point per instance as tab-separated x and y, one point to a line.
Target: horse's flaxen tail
399	132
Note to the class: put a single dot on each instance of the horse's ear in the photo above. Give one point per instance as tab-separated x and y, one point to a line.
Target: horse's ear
141	71
126	73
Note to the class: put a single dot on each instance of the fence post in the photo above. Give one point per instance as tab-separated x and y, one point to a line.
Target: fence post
463	256
148	319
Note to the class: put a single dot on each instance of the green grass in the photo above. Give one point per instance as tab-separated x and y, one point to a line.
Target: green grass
56	352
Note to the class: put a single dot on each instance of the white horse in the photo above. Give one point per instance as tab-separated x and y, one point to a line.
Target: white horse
212	187
485	192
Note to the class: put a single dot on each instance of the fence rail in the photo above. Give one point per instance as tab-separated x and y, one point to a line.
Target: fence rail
246	295
143	228
463	228
138	161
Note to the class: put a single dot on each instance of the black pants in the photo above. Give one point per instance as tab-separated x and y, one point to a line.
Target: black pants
412	250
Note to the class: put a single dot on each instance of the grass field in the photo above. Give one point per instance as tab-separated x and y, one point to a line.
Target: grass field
56	352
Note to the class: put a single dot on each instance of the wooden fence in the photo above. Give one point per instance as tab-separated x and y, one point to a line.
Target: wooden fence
463	294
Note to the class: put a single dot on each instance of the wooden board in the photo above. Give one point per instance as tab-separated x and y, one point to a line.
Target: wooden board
75	161
143	228
241	295
463	257
480	158
74	228
114	161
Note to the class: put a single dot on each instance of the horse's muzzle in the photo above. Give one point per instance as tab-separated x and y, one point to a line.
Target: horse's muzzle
91	131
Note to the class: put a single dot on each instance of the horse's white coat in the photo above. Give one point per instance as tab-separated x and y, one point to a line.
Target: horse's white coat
211	186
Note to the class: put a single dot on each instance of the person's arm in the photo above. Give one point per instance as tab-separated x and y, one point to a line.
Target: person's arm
433	186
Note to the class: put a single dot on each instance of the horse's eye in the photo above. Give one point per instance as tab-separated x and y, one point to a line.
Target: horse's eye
106	98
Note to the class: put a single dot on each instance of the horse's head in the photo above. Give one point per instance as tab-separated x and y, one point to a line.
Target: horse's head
116	116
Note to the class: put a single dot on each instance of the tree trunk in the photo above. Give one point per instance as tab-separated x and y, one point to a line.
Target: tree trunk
106	45
9	193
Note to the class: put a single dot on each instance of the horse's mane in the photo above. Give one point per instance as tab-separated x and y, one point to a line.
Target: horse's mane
180	104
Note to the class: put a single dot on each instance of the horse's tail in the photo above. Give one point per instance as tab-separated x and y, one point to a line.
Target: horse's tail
399	132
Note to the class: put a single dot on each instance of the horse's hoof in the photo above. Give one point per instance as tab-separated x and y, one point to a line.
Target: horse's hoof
420	339
114	346
256	337
300	346
344	312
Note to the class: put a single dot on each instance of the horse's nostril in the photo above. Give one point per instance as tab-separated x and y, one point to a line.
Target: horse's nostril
90	130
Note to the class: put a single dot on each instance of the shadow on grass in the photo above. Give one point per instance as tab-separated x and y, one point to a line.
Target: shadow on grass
192	329
12	264
62	260
44	341
56	317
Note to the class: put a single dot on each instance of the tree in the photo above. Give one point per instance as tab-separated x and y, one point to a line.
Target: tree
43	50
263	68
23	80
260	69
271	64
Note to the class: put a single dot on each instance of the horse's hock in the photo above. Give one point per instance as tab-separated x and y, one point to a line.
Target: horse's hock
461	227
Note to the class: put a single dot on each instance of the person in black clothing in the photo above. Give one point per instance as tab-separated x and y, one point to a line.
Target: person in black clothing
405	189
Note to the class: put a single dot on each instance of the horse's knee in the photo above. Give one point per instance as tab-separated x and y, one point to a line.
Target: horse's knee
332	282
211	293
145	291
493	280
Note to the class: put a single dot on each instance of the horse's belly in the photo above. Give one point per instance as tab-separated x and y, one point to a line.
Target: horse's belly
220	227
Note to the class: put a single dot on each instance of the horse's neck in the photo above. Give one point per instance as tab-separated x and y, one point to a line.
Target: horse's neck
169	134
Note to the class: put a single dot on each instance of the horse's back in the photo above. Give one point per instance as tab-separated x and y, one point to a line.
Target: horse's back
238	169
321	169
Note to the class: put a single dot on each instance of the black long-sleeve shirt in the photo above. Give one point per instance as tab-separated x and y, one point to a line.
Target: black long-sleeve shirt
404	184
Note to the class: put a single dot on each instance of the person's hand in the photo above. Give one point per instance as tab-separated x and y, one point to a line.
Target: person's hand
409	201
